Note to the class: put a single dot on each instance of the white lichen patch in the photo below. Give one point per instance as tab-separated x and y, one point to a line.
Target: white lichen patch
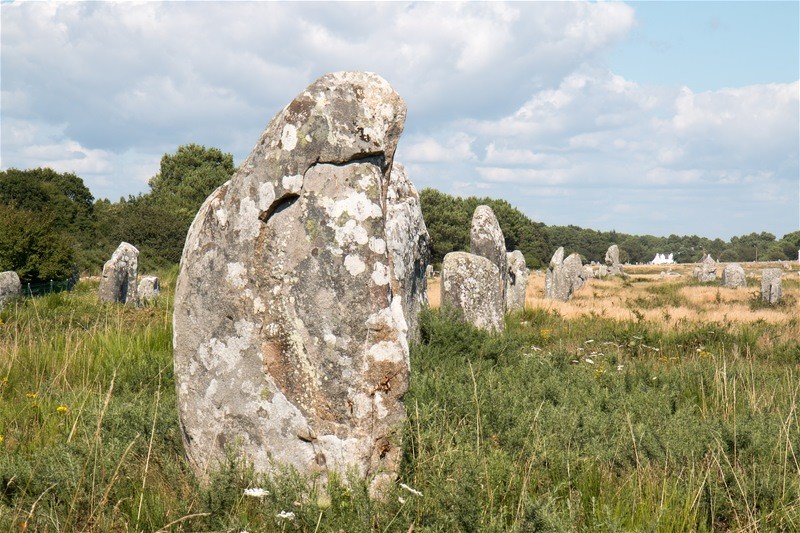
266	195
377	245
330	339
350	234
293	183
387	351
380	274
357	205
222	216
354	264
236	275
289	137
247	223
380	408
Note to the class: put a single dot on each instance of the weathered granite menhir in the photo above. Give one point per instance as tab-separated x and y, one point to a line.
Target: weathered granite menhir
149	289
612	261
707	269
733	276
469	285
296	291
564	276
517	283
771	287
118	283
10	287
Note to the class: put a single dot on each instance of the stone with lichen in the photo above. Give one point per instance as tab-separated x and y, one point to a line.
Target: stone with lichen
10	287
409	244
486	239
517	282
771	286
469	285
289	323
120	273
733	276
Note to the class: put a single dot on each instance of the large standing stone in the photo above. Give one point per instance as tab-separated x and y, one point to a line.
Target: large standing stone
409	245
10	287
706	270
119	276
771	290
733	276
612	260
563	276
469	284
486	239
149	288
289	330
517	281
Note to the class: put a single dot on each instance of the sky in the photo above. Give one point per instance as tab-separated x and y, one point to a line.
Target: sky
645	117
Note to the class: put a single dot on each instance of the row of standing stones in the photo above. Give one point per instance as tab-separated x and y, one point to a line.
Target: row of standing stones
733	277
488	282
299	288
566	276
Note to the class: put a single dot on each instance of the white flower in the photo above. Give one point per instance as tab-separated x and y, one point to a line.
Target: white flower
589	361
401	499
256	493
619	368
415	492
286	515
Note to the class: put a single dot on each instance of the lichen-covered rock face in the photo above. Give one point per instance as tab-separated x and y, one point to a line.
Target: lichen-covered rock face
564	276
517	281
706	270
289	330
409	245
149	288
469	285
771	289
612	260
733	276
119	276
10	287
486	239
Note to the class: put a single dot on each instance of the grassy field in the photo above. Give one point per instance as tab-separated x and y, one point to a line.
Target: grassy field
645	404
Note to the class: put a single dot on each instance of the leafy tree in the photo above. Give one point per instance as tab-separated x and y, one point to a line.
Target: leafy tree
188	176
33	246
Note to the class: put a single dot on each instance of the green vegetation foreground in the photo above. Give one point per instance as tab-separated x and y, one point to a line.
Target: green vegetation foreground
584	424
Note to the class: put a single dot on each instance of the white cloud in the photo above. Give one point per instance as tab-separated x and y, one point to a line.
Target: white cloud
508	100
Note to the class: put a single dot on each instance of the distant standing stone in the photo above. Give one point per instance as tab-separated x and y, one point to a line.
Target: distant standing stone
706	270
733	276
119	276
486	239
771	290
149	288
429	271
602	271
10	287
517	282
563	276
612	260
469	284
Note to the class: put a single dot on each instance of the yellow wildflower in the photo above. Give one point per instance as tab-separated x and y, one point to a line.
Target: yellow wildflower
545	333
2	438
62	408
31	395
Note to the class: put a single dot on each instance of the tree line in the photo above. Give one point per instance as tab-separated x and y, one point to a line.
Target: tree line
51	225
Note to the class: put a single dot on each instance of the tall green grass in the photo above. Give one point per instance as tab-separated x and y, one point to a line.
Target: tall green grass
556	425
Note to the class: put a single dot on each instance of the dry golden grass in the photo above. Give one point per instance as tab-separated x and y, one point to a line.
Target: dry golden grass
647	296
